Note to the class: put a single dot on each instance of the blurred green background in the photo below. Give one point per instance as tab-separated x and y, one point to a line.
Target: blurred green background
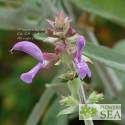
106	18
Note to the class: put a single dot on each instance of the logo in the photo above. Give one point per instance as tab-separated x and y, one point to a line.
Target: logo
100	111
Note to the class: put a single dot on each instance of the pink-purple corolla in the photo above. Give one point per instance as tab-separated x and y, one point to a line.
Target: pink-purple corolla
44	59
81	66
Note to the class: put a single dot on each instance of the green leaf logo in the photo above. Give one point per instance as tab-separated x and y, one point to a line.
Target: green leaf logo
94	111
85	110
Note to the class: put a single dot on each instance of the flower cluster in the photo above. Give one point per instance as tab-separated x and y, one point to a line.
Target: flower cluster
60	29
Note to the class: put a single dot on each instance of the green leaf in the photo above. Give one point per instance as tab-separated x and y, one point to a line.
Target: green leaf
74	86
68	76
94	98
51	115
43	37
68	101
110	9
40	107
40	36
105	55
69	110
120	48
13	18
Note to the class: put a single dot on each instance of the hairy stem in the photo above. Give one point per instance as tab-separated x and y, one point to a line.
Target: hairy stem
83	100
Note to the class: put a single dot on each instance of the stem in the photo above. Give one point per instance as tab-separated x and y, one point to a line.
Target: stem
84	100
82	94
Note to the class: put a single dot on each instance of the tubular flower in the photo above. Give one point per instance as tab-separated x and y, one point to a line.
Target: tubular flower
28	76
29	48
43	58
81	66
80	43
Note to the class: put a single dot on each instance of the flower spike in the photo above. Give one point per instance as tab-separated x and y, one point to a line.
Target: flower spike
60	33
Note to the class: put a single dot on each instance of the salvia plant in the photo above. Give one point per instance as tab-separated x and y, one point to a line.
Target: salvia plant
69	52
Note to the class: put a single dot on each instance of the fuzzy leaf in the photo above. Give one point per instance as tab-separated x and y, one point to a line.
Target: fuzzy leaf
106	56
110	9
68	101
69	110
94	98
43	37
50	119
74	86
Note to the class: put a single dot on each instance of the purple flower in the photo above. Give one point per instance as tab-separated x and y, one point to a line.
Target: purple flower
28	76
33	50
81	66
29	48
80	43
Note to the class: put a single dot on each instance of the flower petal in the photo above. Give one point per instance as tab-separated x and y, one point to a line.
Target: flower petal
29	48
28	76
82	69
80	43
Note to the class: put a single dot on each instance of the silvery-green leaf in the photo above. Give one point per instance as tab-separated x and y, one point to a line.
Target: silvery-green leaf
94	98
69	110
105	55
110	9
43	37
